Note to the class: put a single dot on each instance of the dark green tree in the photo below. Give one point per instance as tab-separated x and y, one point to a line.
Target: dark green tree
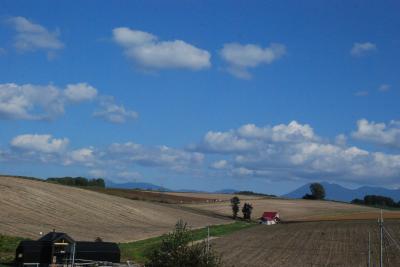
246	210
235	202
317	192
177	250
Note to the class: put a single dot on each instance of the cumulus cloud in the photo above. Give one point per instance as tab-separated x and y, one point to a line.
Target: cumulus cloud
148	52
46	102
158	156
248	137
361	49
80	92
82	155
30	102
31	37
378	133
44	143
242	57
114	113
294	151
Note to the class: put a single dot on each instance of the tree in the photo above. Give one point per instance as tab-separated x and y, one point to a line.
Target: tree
317	192
246	210
175	250
235	202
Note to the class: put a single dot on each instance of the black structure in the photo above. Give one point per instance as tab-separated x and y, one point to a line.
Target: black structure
59	248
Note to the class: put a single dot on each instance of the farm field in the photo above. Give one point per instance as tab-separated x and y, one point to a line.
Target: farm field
301	210
339	243
152	195
29	207
212	196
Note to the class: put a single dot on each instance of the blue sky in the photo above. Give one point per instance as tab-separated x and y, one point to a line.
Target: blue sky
263	95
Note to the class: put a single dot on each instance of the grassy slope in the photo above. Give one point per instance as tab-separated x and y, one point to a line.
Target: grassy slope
139	251
8	245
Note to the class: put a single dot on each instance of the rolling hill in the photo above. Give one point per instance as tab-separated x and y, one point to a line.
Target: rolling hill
29	207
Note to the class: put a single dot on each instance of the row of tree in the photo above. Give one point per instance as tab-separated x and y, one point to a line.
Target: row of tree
78	181
246	210
376	200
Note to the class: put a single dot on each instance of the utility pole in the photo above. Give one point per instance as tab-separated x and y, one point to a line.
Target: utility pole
381	238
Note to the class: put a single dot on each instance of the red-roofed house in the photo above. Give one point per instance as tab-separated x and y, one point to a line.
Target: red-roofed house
269	217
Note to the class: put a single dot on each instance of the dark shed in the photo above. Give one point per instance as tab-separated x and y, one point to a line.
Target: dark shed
97	251
59	248
33	252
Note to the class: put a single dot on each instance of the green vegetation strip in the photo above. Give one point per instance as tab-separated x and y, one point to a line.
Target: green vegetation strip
8	246
139	251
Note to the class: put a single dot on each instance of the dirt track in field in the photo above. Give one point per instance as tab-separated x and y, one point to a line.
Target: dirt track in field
300	210
341	243
28	207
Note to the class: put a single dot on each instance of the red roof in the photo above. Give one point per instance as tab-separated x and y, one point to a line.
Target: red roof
270	215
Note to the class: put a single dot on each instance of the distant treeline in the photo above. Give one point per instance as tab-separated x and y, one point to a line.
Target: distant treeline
78	181
251	193
376	200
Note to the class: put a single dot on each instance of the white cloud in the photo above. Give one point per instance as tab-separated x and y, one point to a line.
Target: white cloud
220	164
111	112
159	156
361	49
46	102
80	92
149	53
249	136
378	133
341	140
242	57
294	151
44	143
30	102
32	37
82	155
384	87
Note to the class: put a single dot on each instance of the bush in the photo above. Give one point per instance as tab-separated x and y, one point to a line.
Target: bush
176	250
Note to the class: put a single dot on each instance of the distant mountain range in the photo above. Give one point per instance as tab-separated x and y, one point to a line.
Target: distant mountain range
150	186
134	185
340	193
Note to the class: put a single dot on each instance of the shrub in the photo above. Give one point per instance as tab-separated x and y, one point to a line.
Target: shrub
177	250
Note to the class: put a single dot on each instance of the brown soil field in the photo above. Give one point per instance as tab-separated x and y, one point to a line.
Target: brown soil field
28	207
340	243
213	197
153	196
299	209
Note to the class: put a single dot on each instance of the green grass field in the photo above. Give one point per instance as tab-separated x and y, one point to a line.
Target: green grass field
139	251
8	245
